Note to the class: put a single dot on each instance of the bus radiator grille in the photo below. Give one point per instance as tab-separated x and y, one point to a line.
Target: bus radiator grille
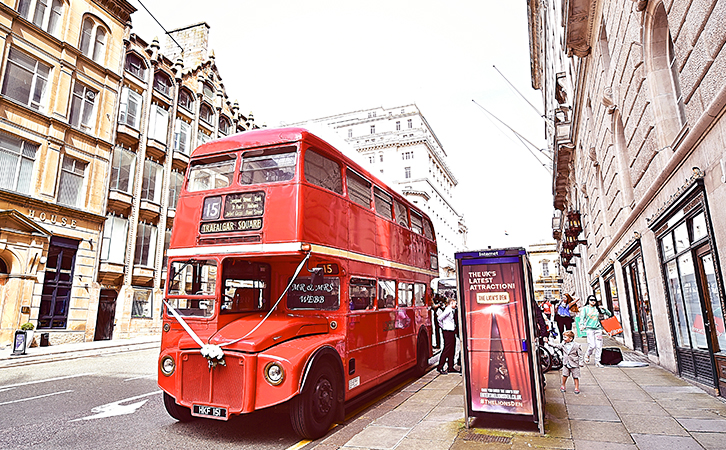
221	386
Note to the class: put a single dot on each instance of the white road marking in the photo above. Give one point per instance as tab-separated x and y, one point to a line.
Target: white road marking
116	408
47	380
33	398
140	377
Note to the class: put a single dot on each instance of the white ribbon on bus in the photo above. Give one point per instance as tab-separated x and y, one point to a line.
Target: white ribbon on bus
213	352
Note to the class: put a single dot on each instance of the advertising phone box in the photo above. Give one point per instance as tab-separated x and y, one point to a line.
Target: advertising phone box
496	295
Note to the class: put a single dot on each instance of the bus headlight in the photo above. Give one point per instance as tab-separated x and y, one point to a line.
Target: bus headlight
274	373
167	365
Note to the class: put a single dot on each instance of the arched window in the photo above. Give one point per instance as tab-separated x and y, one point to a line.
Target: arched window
224	125
206	114
208	91
43	13
662	73
162	83
186	99
135	65
3	267
93	40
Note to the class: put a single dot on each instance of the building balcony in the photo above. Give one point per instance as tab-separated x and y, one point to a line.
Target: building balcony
120	202
179	161
111	273
142	276
149	211
127	134
155	150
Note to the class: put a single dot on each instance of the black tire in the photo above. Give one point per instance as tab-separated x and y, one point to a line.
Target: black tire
422	356
556	360
180	413
545	359
313	412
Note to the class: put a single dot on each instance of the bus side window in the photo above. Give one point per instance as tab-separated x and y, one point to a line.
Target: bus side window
386	294
401	213
419	294
405	294
359	189
362	294
323	172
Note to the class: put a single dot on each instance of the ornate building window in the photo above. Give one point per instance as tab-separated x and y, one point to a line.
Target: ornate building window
176	180
662	73
83	103
162	84
26	80
130	111
206	114
151	184
43	13
145	245
224	125
158	123
93	40
113	246
182	137
122	170
135	65
186	99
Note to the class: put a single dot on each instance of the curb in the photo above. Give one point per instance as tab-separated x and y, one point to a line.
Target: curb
74	353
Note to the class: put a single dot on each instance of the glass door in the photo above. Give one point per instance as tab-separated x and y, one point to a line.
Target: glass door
638	302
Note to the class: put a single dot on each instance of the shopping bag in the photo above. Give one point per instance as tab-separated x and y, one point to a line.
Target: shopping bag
611	325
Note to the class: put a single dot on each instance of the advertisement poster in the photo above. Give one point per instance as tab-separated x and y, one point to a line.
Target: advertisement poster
493	293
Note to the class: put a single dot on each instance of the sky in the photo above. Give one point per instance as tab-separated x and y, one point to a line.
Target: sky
292	60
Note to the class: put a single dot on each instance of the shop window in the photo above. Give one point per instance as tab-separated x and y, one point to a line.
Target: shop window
142	304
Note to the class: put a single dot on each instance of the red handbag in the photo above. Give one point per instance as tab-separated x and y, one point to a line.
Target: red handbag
612	326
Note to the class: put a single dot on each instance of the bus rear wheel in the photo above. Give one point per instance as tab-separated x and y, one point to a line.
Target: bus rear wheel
180	413
312	412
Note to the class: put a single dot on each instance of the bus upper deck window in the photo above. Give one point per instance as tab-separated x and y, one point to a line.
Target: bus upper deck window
359	189
416	222
401	213
322	171
268	167
214	174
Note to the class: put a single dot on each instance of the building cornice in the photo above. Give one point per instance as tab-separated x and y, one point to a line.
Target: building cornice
579	22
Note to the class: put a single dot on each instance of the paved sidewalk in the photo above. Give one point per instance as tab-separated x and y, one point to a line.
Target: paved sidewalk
62	352
619	408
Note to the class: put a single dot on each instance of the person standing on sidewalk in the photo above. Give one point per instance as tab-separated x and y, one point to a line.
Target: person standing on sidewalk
571	359
590	319
563	315
447	324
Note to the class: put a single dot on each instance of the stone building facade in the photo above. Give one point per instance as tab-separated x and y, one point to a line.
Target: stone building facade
545	262
96	129
171	102
399	146
60	77
635	92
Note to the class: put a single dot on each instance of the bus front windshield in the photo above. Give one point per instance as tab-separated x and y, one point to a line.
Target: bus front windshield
192	285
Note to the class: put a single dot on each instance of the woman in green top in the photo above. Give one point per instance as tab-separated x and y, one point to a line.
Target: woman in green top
590	318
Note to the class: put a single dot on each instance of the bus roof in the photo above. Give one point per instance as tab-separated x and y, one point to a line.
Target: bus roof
264	137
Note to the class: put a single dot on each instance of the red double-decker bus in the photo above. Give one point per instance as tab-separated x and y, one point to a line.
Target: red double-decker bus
294	276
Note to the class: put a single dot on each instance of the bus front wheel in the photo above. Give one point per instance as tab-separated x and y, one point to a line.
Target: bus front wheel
180	413
312	412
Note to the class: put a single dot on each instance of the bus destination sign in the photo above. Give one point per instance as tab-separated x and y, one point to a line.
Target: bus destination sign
247	204
227	226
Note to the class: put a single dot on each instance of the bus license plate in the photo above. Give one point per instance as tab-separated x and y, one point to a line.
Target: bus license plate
211	412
